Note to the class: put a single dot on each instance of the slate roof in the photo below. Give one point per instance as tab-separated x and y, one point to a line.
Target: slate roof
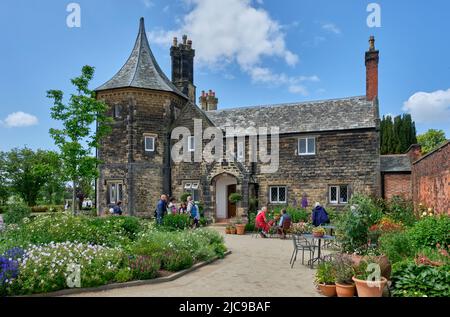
316	116
395	163
141	69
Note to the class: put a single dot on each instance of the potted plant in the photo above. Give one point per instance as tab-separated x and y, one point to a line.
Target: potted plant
344	271
228	229
232	229
234	198
318	232
240	226
364	285
325	279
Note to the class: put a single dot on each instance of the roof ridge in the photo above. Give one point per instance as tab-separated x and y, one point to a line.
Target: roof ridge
287	104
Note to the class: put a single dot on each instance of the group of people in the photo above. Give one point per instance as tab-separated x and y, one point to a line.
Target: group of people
319	217
166	206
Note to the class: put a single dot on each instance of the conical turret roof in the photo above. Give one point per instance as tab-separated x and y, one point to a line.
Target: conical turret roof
141	69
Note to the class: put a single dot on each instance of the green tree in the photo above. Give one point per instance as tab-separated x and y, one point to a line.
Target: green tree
28	172
52	192
431	139
4	188
397	134
78	137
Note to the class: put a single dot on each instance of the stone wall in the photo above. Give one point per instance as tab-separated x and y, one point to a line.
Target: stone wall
397	184
431	180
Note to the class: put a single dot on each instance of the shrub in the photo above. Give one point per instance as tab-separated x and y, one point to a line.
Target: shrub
176	222
402	210
184	196
343	268
412	280
131	225
397	246
431	231
9	270
325	274
234	198
16	213
354	223
143	267
297	214
177	261
124	275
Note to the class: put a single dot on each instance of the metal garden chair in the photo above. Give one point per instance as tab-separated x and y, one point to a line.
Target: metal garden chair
301	244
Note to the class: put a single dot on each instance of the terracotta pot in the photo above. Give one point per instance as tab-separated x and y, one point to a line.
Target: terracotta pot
240	229
344	290
327	290
382	260
318	235
365	290
233	231
227	230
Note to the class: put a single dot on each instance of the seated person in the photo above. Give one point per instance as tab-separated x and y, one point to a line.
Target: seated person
319	215
261	222
117	210
284	224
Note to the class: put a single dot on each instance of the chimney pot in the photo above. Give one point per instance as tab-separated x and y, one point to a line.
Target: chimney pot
184	39
175	41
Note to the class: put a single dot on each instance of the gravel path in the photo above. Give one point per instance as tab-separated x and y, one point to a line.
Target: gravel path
256	267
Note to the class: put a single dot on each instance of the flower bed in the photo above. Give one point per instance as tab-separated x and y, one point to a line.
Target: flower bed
46	254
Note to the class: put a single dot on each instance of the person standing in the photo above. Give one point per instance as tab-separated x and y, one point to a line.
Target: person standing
172	207
192	209
161	209
319	215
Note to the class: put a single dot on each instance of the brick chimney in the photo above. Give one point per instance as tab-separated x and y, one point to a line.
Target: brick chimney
414	152
208	101
372	59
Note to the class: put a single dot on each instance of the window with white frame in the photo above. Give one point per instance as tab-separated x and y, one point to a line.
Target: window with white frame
193	189
307	146
117	111
149	141
339	194
278	194
240	151
115	192
191	144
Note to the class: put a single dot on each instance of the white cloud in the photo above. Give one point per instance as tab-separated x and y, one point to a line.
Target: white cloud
433	107
148	3
229	31
331	27
19	120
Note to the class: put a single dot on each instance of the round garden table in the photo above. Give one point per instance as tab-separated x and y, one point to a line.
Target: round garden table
319	246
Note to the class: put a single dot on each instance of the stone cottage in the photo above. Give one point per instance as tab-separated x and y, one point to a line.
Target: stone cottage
328	150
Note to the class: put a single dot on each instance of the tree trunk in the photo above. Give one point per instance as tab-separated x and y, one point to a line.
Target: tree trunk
74	197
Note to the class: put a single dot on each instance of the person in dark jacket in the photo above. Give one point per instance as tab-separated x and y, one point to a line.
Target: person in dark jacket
161	209
117	210
319	215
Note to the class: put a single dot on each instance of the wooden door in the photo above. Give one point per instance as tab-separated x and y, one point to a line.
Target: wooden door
231	207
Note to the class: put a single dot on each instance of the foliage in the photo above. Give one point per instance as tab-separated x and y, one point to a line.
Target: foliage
77	139
176	222
30	173
397	246
47	208
363	271
301	227
184	196
343	267
4	183
45	268
412	280
319	230
354	223
431	140
253	204
143	267
401	210
297	214
325	274
9	270
16	213
234	198
431	231
397	134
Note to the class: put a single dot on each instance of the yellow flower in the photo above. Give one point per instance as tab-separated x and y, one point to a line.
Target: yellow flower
430	209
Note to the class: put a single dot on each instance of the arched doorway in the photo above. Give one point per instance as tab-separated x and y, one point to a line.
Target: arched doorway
225	184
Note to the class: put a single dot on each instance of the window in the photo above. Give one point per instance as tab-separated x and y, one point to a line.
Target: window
117	111
307	146
191	144
115	192
193	189
240	151
149	143
339	194
278	194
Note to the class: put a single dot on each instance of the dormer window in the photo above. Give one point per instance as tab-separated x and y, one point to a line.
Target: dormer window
307	146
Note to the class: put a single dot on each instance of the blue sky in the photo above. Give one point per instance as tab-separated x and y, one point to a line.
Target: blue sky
249	52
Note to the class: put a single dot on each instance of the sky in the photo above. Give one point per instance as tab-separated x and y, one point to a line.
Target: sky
250	52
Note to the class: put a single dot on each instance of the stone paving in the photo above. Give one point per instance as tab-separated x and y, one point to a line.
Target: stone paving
256	267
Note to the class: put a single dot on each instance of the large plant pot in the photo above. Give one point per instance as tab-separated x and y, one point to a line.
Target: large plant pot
240	229
233	231
327	290
366	290
382	260
344	290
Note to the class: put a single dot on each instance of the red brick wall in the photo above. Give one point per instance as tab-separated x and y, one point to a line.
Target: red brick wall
397	185
431	180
